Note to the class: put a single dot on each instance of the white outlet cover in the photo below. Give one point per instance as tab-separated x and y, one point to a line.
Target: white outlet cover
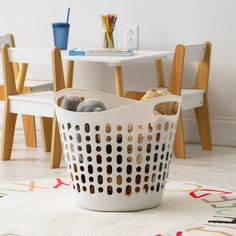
131	36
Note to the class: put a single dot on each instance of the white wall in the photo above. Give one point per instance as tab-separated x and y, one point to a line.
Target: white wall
163	24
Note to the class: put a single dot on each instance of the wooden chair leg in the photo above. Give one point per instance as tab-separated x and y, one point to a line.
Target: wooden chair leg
29	130
56	149
179	148
119	81
203	122
46	128
9	124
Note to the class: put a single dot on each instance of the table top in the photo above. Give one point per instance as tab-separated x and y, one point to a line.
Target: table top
139	56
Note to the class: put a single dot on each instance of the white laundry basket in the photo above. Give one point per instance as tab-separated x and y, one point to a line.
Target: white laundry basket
117	160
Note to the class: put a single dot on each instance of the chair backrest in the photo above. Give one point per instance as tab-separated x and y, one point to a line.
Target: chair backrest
7	39
27	56
186	54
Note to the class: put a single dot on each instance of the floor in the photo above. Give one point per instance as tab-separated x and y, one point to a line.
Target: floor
217	167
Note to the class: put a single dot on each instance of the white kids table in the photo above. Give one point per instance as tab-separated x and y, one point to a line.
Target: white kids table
117	63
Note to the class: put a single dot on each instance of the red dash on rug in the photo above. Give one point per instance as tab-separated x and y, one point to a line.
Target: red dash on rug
193	193
59	183
179	233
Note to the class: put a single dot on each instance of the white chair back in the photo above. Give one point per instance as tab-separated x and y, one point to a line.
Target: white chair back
30	56
5	39
194	53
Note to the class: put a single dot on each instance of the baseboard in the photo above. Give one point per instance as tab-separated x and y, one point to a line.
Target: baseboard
223	129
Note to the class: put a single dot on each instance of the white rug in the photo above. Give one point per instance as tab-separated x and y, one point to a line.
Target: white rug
45	207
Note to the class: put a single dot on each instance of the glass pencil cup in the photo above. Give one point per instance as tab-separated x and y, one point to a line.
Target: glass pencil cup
109	37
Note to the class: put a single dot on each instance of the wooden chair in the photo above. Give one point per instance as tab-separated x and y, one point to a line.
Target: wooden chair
195	98
31	85
33	103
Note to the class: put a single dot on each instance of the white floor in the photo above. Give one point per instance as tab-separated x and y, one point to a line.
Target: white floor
217	167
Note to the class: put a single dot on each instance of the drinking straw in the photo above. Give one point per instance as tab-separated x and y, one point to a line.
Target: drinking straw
68	15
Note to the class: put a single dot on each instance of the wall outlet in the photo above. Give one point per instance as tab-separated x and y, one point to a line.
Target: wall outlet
131	36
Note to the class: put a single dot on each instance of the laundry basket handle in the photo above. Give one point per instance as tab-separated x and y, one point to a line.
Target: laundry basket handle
150	104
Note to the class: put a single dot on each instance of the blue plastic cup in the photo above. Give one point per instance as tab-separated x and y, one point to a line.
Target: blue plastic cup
61	34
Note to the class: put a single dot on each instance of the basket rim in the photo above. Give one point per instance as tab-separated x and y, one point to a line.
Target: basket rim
160	99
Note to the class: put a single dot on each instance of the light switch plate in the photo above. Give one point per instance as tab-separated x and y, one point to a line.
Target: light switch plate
131	36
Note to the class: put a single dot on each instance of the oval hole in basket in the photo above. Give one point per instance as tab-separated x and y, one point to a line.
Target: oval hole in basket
87	128
130	138
75	168
68	126
158	187
119	159
64	136
119	138
83	178
129	149
88	148
92	189
145	187
78	188
72	147
100	179
153	178
155	157
149	148
158	136
164	176
109	190
130	128
119	179
139	158
167	126
129	169
90	169
150	128
99	159
108	148
167	156
138	179
128	190
108	128
78	138
81	159
160	167
163	147
77	127
140	138
147	168
109	169
166	108
98	138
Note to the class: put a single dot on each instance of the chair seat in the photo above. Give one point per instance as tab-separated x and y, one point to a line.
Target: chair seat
35	85
191	98
38	104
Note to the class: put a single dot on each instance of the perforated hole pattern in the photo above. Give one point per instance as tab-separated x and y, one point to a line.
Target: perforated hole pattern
114	159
